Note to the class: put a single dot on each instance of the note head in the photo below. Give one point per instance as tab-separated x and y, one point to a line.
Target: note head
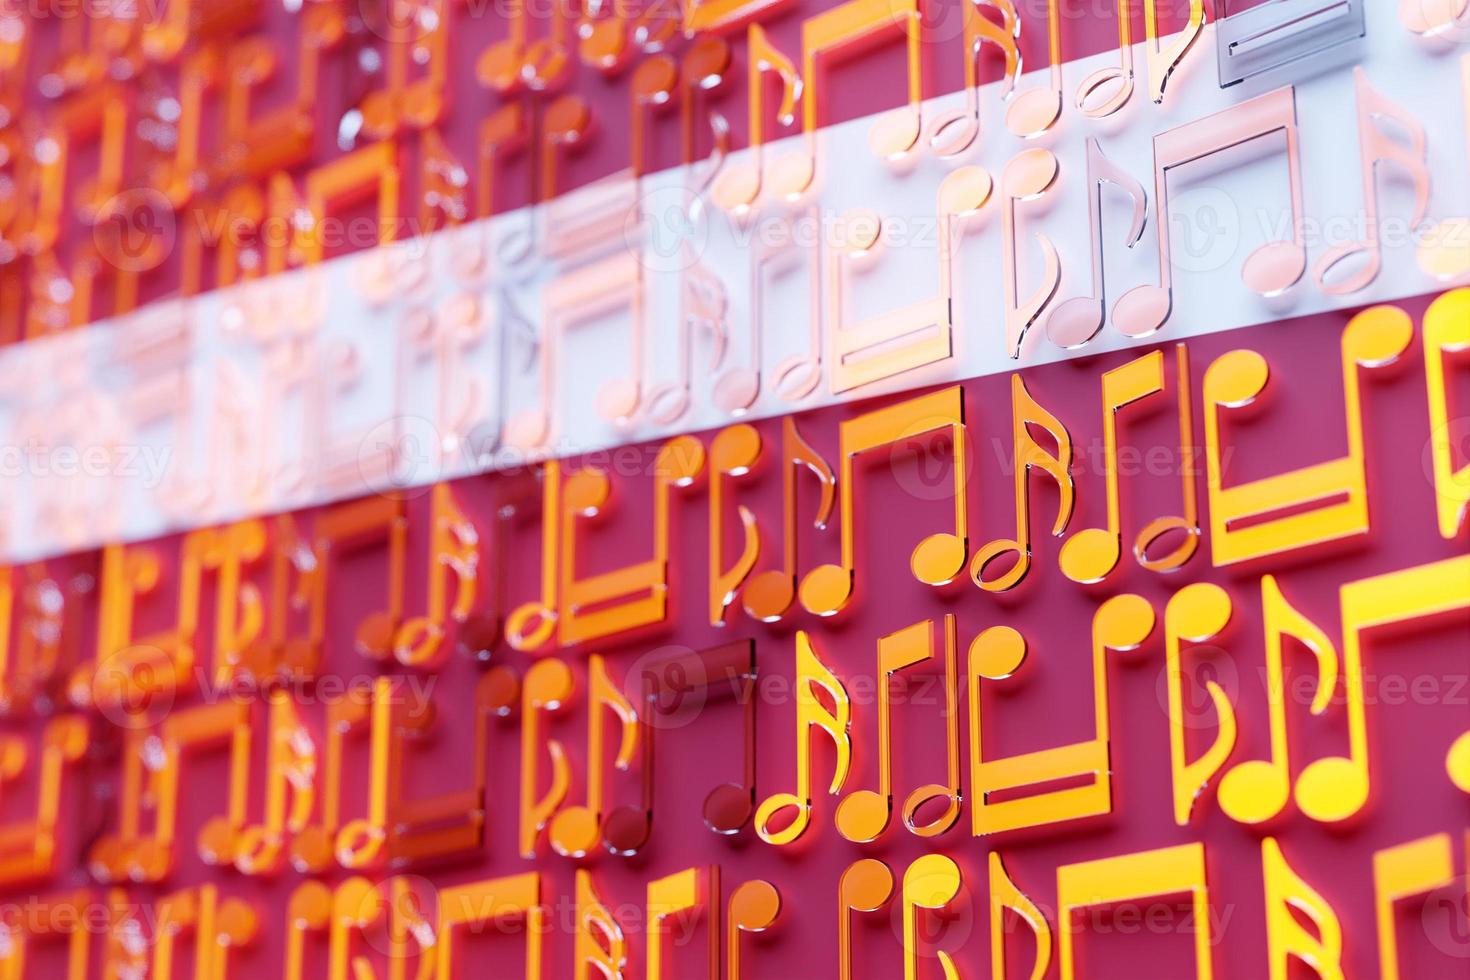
755	906
964	191
736	188
989	555
938	559
997	653
1143	310
1254	791
1034	112
797	376
530	626
218	843
1444	250
1330	272
736	390
1161	529
1075	322
527	430
499	67
863	816
729	808
668	403
1274	268
792	175
1095	83
1333	789
374	638
768	596
826	589
894	134
575	832
1090	555
1457	763
924	799
617	400
1431	18
954	133
311	851
1030	174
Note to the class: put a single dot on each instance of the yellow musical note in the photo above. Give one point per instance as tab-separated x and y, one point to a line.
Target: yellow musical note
1121	623
769	594
940	557
57	918
1126	877
218	926
1403	871
314	848
1196	613
453	551
473	905
1005	895
1162	59
1372	339
931	882
1027	454
1446	333
732	453
754	907
865	886
864	815
548	686
1289	901
812	716
600	944
688	892
576	830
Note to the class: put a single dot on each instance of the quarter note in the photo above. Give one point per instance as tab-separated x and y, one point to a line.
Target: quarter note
1077	320
1404	871
1028	454
769	594
1376	147
754	907
732	454
577	830
1037	109
1271	269
1446	334
953	133
812	716
314	847
1119	77
1268	516
739	186
864	815
1291	903
1091	554
1028	176
547	688
937	559
1197	613
866	885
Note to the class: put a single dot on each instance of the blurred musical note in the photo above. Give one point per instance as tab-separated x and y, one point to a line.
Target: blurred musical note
30	849
1444	247
769	594
754	907
739	186
475	905
1446	334
547	688
733	453
453	551
694	891
577	830
601	944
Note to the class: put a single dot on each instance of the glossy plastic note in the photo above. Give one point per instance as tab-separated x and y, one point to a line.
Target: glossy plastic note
1403	871
1197	613
770	593
1291	903
1446	337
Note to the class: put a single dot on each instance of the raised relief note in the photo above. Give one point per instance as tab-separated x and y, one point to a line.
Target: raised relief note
1027	454
532	624
866	886
1122	623
1291	903
416	35
314	847
1444	247
1091	554
739	185
1004	895
52	919
1197	613
754	907
1037	109
519	61
733	453
694	892
953	133
601	944
1163	58
911	337
769	593
1376	147
1077	320
577	830
1241	523
1114	82
547	688
1130	877
1271	269
218	927
863	815
1405	871
30	849
812	716
476	905
679	687
453	552
851	27
1446	336
932	882
939	558
1028	176
372	169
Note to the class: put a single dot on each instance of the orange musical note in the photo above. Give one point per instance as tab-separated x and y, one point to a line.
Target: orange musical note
30	849
671	686
937	559
1005	895
1091	554
453	551
601	944
42	613
864	815
932	882
1196	613
1029	175
770	593
577	830
812	716
314	847
1121	623
372	169
54	918
340	531
1075	321
1271	269
482	902
517	61
1446	333
879	347
754	907
1372	339
1127	877
548	686
416	33
1027	454
308	911
955	132
694	891
1400	872
865	886
217	925
1291	902
739	186
733	453
1377	147
530	625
